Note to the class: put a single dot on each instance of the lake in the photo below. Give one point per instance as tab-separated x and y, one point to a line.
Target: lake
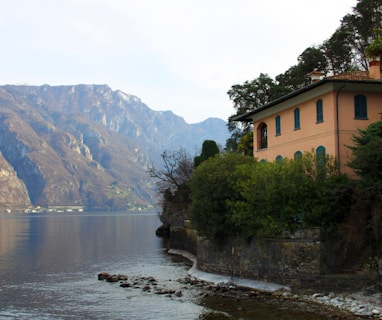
49	265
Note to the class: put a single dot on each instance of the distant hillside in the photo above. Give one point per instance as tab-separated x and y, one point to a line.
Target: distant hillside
87	145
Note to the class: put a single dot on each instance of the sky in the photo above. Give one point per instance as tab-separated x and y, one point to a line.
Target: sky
178	55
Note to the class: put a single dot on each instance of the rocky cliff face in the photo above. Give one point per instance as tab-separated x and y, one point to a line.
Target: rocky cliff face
13	192
86	145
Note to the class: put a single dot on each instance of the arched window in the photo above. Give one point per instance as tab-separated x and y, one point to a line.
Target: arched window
296	119
360	107
262	136
319	111
278	126
321	162
279	158
298	155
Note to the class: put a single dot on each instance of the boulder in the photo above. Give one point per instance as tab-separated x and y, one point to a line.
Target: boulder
103	276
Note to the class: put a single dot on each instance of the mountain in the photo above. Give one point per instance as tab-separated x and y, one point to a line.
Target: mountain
88	146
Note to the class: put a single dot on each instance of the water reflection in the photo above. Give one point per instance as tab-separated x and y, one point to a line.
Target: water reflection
43	244
10	240
49	266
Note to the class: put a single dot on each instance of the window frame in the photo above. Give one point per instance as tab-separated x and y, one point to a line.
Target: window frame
319	111
360	107
278	125
262	136
297	155
297	123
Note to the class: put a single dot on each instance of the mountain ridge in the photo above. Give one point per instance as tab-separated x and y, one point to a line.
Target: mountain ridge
88	145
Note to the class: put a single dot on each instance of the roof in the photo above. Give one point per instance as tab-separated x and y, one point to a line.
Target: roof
358	77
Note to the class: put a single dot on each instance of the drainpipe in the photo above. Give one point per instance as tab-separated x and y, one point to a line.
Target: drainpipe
338	128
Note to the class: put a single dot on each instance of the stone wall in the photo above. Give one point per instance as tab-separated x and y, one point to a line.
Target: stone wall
290	259
184	238
305	259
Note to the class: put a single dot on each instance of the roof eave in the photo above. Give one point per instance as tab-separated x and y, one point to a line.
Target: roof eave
247	117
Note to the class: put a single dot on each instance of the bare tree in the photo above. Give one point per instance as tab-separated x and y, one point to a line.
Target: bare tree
172	183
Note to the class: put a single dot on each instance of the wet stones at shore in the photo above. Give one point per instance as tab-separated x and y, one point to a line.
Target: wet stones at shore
150	285
350	304
111	277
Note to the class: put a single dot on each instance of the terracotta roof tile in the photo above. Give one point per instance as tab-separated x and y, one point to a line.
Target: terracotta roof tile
353	75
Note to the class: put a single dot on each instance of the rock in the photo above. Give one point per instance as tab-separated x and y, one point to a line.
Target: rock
150	279
375	312
164	291
146	289
163	231
125	285
103	276
178	293
112	278
122	277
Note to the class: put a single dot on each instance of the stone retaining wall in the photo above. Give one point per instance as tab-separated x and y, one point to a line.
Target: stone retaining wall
289	260
298	260
184	239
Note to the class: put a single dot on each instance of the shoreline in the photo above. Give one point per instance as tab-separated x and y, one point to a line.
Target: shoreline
357	304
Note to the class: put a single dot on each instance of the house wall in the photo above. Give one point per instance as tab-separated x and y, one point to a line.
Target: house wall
311	134
349	126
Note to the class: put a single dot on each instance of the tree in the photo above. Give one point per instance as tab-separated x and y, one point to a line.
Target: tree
365	224
367	155
209	149
245	145
172	184
247	97
211	188
361	26
234	195
375	48
338	52
296	76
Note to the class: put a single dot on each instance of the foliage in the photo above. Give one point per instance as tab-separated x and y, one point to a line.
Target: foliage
247	97
211	188
338	52
209	149
271	197
296	76
234	195
361	26
375	48
367	163
367	155
282	195
245	145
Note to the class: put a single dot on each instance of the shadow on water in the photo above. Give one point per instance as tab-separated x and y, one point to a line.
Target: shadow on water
264	307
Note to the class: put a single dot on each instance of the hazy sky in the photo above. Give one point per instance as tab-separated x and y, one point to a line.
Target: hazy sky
178	55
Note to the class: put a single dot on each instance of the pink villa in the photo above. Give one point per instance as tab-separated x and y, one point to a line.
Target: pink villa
322	116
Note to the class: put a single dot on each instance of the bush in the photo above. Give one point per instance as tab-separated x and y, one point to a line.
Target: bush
211	190
235	195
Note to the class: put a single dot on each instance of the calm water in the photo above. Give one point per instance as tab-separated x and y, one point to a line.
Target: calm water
49	265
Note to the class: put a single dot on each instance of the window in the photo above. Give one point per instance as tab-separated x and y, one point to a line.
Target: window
298	155
278	128
360	107
262	136
319	111
279	159
296	119
321	162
